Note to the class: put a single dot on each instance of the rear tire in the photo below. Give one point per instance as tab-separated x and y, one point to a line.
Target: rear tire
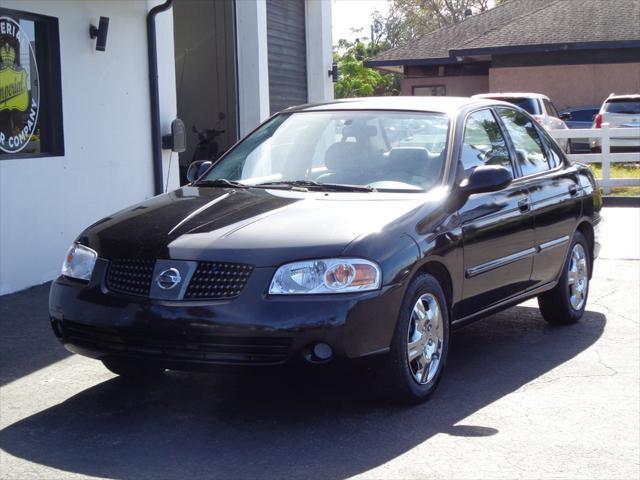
566	302
131	370
418	353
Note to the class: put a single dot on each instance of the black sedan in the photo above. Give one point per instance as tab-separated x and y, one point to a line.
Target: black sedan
356	229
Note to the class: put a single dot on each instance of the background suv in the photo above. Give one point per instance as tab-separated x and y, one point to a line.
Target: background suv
539	106
619	111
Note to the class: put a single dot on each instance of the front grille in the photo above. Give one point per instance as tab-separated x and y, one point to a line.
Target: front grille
130	275
213	349
218	280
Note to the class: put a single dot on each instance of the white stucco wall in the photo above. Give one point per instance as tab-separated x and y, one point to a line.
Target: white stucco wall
46	202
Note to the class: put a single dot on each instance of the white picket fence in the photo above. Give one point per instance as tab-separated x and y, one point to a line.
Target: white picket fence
606	158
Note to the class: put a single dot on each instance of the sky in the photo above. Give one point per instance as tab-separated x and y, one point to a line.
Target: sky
347	14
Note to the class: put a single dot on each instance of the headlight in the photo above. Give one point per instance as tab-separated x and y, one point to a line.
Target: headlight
331	275
79	262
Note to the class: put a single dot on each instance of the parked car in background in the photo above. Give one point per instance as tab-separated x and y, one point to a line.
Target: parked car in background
580	117
367	228
619	111
539	106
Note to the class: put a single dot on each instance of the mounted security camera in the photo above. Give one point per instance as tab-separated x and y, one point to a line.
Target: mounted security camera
100	33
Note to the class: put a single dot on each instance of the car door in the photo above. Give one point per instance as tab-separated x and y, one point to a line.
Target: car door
497	227
554	193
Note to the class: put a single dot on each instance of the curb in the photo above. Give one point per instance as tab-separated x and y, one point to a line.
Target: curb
621	201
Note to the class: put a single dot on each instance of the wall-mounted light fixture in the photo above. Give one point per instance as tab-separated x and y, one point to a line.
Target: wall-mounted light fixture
333	73
100	32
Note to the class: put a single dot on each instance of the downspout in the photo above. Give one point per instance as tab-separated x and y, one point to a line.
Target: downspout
156	136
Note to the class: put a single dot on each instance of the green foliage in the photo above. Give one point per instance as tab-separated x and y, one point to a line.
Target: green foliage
405	21
356	80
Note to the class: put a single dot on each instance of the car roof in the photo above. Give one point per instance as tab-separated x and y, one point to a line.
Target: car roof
631	96
448	105
511	94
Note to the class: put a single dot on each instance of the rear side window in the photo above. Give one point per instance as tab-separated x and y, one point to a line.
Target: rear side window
550	108
530	152
483	143
528	104
622	106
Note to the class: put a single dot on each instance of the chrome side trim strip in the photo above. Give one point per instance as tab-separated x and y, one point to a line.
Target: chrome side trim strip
499	262
553	243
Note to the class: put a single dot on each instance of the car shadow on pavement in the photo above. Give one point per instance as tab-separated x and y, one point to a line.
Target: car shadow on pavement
274	426
27	343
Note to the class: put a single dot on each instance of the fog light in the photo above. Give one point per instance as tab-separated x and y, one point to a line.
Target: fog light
322	351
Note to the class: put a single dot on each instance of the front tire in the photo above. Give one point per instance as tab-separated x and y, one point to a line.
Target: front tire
420	344
566	302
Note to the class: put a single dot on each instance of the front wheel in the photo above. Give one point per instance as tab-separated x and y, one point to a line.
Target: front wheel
420	344
566	302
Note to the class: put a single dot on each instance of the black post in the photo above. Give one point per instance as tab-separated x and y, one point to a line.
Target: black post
156	136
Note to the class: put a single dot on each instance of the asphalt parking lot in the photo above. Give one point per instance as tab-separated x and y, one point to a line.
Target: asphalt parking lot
520	399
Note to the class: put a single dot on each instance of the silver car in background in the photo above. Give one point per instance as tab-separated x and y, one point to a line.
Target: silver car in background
539	106
619	111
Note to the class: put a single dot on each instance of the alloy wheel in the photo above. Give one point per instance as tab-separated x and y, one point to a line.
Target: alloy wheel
425	339
578	277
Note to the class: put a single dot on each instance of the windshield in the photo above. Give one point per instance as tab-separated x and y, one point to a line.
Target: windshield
622	106
383	150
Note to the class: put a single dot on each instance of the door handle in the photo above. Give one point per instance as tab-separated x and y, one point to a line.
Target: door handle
573	190
524	205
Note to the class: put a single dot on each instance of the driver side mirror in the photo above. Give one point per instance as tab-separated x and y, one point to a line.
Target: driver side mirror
565	116
197	169
486	178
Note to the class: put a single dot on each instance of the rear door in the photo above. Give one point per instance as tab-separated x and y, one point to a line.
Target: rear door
554	192
497	227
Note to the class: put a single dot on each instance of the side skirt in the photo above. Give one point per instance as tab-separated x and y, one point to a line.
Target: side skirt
510	302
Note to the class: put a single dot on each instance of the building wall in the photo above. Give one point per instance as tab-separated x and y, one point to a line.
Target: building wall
569	85
46	202
459	86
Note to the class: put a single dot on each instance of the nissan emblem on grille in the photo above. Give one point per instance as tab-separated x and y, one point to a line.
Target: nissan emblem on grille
169	278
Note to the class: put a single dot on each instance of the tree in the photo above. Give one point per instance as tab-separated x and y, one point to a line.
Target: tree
356	80
405	21
410	19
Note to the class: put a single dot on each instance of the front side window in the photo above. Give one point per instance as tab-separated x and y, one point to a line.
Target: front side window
483	143
530	153
30	90
382	149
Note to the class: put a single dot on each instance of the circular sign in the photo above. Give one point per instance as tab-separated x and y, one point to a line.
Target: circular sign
19	86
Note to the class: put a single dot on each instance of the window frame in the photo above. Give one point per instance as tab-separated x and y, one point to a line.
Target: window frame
50	78
443	86
546	145
514	170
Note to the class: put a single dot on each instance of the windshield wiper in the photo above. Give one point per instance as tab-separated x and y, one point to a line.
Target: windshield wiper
220	182
337	187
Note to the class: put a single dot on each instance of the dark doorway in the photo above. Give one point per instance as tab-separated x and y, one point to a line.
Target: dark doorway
205	51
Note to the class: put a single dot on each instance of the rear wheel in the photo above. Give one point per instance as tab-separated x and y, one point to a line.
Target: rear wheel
566	302
132	369
420	344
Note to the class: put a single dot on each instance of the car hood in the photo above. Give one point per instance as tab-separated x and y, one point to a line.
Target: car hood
256	226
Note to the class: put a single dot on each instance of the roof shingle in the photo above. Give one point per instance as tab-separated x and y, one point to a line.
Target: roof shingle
522	23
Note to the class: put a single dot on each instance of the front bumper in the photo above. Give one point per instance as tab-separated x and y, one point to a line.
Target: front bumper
251	329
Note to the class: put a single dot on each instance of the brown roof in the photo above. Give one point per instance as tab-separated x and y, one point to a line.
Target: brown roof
525	25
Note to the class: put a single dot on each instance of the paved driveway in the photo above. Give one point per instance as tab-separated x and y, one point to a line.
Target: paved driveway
520	400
